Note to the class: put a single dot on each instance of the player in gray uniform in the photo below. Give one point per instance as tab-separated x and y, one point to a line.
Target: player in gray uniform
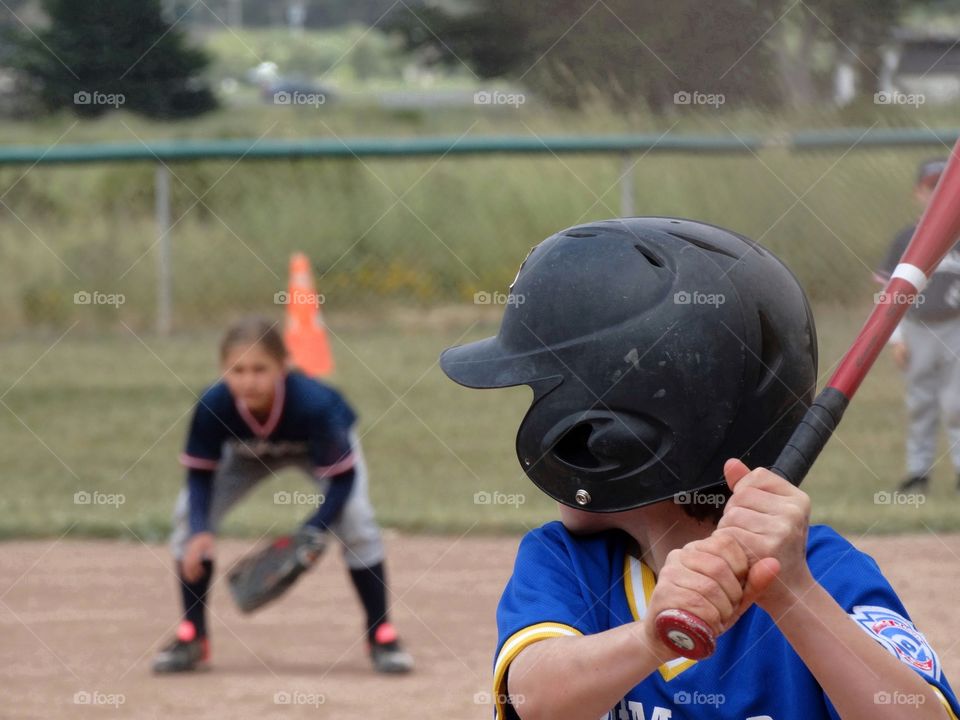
926	347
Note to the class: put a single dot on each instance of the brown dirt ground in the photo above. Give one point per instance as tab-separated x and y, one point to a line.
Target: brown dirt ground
86	616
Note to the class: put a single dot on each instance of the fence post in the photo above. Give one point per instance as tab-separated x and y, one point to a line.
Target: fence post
164	254
626	185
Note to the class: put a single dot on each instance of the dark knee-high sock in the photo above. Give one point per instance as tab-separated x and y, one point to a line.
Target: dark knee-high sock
371	585
194	596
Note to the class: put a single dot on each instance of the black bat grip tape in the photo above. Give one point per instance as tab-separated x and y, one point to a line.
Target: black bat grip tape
813	432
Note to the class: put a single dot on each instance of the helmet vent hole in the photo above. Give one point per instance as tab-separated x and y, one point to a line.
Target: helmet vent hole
771	353
572	447
705	246
651	258
580	234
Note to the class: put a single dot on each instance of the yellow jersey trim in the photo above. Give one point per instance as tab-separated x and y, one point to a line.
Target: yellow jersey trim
945	702
521	639
638	582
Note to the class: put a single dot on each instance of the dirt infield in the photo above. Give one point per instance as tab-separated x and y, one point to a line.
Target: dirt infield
80	621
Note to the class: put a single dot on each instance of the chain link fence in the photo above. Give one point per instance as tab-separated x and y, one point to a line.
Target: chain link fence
189	243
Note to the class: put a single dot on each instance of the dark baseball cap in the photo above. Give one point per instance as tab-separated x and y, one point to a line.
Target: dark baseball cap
930	171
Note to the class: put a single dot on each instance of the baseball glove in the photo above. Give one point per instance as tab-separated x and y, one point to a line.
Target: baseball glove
266	574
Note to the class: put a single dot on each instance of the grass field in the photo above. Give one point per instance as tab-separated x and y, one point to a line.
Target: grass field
107	413
105	408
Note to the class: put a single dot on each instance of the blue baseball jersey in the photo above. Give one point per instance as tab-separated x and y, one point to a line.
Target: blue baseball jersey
567	585
308	417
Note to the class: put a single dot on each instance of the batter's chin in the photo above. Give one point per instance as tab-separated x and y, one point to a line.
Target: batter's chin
580	522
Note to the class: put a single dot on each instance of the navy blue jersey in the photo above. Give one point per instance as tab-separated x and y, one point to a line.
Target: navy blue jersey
308	417
566	585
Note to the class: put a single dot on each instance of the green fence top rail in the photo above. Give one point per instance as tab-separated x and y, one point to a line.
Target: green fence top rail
874	137
168	151
185	150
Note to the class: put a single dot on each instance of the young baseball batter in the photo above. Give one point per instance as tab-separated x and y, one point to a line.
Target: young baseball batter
257	420
926	347
669	362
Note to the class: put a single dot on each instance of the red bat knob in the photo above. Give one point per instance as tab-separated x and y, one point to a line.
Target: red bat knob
684	632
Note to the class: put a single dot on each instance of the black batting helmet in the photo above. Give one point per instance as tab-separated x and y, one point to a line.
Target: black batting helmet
656	348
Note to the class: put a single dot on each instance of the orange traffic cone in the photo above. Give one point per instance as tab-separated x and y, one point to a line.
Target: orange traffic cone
305	334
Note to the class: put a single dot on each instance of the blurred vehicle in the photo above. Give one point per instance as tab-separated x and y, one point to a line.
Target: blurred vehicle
924	63
275	89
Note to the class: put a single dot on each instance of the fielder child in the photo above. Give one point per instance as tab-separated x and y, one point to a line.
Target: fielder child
258	419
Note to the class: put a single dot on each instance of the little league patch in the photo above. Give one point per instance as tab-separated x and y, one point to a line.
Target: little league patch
899	636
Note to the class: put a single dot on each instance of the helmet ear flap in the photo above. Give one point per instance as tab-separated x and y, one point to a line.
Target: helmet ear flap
593	443
573	448
628	440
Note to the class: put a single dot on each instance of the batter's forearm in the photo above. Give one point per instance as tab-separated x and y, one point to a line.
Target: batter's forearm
574	678
857	674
